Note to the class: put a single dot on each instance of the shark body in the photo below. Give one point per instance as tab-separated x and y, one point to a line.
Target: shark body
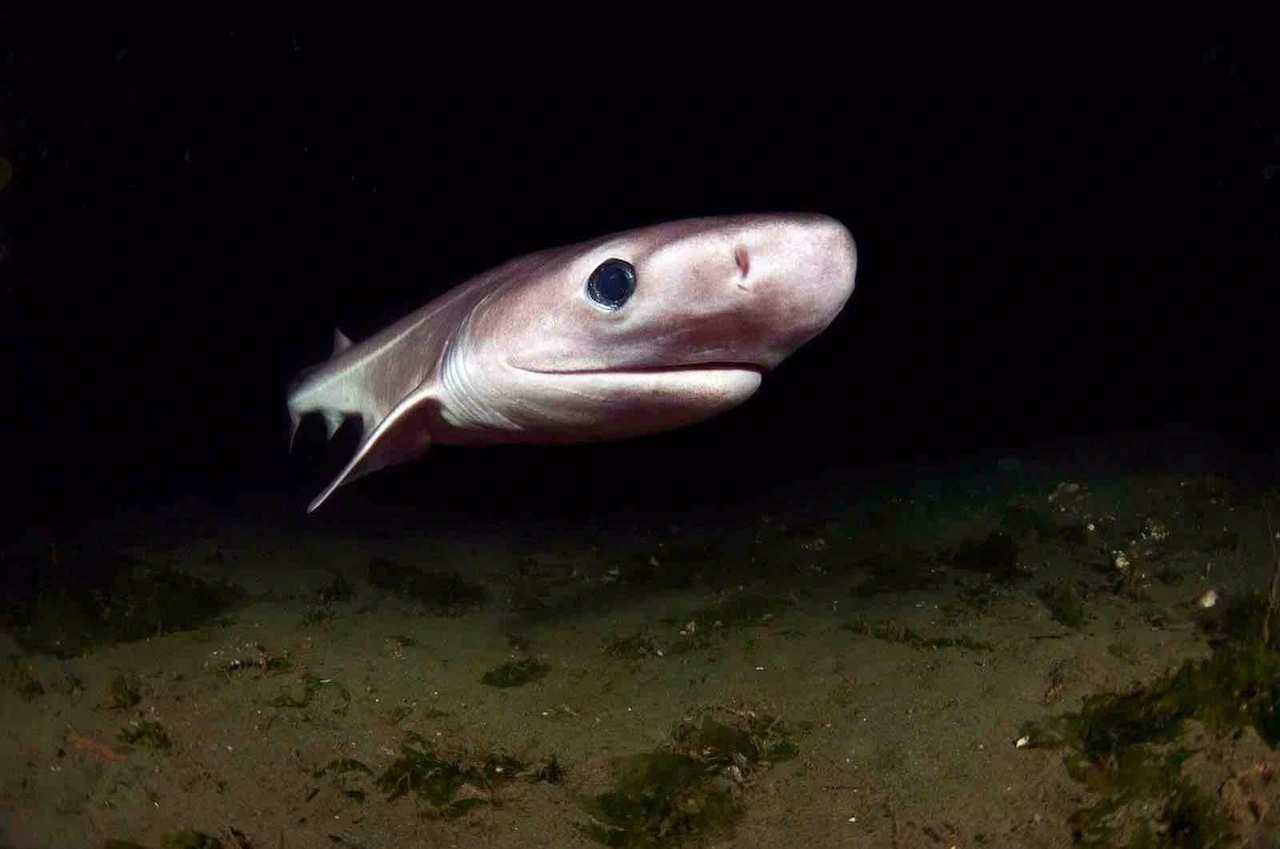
628	334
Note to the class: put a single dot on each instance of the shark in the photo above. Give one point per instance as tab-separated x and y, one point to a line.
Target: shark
628	334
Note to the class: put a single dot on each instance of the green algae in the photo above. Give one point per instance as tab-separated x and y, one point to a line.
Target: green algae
148	733
441	593
22	680
90	599
995	554
632	648
185	839
661	799
450	787
1129	748
689	792
314	694
516	673
1065	602
895	632
123	692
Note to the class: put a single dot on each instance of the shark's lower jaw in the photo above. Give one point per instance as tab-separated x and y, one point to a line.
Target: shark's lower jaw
651	370
680	390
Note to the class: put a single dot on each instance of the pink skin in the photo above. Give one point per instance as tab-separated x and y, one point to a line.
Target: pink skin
522	353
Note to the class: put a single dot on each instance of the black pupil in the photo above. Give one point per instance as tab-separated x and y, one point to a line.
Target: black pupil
612	283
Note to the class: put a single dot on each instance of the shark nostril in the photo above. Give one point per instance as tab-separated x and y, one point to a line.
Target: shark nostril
743	259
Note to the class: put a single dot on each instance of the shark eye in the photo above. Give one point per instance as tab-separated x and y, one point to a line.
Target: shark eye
612	283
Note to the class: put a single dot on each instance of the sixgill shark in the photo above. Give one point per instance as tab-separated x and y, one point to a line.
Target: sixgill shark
628	334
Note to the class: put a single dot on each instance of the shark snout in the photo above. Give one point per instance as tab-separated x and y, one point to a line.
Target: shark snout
825	258
800	272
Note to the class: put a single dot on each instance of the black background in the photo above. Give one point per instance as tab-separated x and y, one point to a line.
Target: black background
1057	234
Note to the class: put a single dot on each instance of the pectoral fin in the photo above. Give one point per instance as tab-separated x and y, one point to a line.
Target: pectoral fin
402	436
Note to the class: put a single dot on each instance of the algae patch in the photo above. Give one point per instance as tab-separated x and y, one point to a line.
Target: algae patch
702	627
1129	748
690	791
22	680
895	632
314	694
632	648
661	799
442	593
90	599
148	733
995	554
1065	603
338	589
516	673
186	839
123	692
349	775
454	787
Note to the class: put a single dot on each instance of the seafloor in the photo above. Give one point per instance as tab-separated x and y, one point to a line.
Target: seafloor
983	653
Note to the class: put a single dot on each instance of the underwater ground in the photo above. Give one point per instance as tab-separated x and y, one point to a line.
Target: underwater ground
1052	649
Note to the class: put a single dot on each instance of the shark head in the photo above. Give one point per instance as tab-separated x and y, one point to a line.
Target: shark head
647	330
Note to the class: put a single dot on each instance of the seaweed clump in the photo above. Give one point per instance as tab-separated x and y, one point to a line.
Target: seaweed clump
315	696
147	733
516	673
348	774
452	787
1129	748
123	692
896	632
442	593
701	627
184	839
23	680
632	648
690	791
88	599
338	590
1064	602
995	554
